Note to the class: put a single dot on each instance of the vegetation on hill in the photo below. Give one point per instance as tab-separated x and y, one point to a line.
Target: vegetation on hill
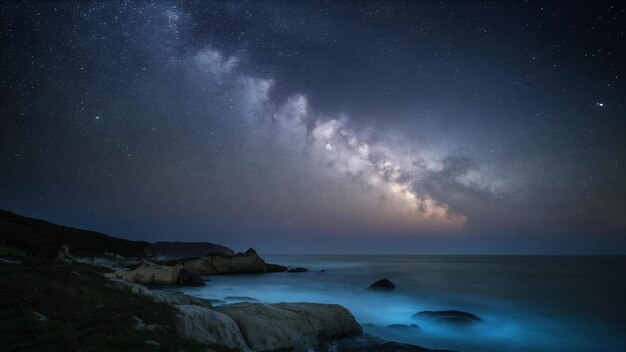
47	306
21	235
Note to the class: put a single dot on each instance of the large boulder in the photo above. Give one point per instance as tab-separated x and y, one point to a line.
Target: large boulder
448	316
208	326
151	274
268	327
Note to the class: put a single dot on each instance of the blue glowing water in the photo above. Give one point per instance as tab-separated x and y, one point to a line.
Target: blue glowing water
527	303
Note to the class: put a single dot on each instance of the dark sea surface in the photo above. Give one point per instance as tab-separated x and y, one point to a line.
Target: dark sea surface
527	303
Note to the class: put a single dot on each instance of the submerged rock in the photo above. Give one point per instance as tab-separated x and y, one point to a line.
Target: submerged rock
241	299
216	301
275	268
369	343
383	284
290	325
151	274
298	270
448	316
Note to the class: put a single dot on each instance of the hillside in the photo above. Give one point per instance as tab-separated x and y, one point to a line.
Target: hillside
191	249
20	235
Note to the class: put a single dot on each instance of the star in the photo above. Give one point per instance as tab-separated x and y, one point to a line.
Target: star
601	105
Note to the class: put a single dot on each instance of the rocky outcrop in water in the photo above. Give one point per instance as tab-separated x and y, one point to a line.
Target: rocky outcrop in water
384	284
448	316
215	263
290	325
370	343
151	274
275	268
298	270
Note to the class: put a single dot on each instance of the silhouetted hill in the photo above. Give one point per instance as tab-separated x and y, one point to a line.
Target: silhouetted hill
191	249
27	236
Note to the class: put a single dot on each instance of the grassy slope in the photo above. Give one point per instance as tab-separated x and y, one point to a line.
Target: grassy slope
85	311
43	239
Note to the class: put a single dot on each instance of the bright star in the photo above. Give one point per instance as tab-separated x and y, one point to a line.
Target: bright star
600	104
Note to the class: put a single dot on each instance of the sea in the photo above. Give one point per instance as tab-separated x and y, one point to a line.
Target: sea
526	303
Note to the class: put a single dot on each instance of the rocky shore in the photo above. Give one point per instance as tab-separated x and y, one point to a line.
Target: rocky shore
80	291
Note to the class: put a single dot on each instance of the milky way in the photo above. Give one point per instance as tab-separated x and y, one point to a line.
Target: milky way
415	127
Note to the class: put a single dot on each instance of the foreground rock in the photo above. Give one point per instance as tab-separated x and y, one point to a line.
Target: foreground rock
290	325
384	284
151	274
209	327
448	316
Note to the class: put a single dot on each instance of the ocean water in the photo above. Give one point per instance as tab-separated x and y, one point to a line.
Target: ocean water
527	303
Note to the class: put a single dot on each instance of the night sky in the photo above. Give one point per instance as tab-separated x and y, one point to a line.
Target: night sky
320	127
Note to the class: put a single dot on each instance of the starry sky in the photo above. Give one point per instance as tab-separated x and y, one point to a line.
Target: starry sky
320	127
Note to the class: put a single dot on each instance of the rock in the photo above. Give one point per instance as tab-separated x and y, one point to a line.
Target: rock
217	301
248	262
369	343
64	255
275	268
40	316
298	270
150	274
383	284
240	299
290	325
217	263
393	347
140	325
161	295
10	262
448	316
208	326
